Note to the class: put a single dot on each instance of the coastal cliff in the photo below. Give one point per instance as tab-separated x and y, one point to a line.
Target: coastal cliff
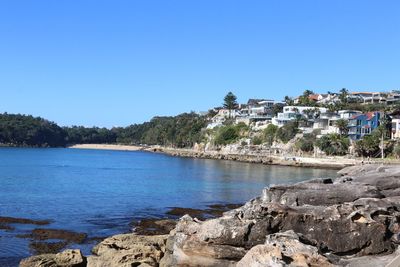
352	220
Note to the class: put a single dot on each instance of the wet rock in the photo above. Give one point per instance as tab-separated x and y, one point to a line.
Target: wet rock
283	249
6	227
67	258
128	250
6	221
45	234
47	247
9	220
154	226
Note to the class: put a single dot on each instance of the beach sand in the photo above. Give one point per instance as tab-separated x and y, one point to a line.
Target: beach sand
107	147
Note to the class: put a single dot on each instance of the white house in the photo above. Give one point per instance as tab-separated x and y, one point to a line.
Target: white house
221	116
291	113
396	128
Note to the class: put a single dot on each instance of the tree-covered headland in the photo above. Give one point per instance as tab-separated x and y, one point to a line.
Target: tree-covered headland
24	130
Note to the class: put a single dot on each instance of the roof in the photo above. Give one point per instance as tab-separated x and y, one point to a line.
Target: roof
362	93
368	115
254	101
313	97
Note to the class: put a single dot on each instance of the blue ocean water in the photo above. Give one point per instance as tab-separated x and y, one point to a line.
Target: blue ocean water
99	192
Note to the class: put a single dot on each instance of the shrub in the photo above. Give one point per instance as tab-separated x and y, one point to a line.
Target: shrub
287	132
396	150
257	140
269	134
333	144
306	144
226	135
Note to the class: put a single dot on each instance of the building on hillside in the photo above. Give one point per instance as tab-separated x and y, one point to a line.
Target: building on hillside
368	97
326	122
330	98
222	115
393	98
347	114
363	124
259	107
292	113
395	128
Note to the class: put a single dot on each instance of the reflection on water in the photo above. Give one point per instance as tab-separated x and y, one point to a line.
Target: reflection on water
101	192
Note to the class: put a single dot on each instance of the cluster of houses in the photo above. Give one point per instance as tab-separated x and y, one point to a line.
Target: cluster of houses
389	98
259	113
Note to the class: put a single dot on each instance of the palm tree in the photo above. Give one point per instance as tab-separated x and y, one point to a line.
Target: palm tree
342	125
288	100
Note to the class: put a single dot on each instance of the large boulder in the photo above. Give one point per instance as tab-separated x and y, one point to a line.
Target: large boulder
318	193
128	250
67	258
339	218
283	249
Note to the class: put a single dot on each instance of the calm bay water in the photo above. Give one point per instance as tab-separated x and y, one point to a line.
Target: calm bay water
100	192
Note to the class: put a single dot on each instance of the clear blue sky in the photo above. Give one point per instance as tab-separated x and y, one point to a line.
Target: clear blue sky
105	63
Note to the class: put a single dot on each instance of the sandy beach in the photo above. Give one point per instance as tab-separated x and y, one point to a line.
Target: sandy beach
107	147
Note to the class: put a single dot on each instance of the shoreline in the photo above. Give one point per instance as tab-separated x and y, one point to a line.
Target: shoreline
259	158
335	163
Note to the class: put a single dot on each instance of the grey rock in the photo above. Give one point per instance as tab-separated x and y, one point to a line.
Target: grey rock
283	249
128	250
67	258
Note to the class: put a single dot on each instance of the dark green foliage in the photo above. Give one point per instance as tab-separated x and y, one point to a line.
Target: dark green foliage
306	143
269	134
304	99
226	135
256	140
342	125
287	132
180	131
230	133
333	144
277	108
343	95
230	101
22	130
369	145
94	135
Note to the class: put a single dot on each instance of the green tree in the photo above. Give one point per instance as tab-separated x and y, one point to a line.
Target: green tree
342	125
306	143
269	134
333	144
343	95
369	145
230	102
230	133
287	132
288	101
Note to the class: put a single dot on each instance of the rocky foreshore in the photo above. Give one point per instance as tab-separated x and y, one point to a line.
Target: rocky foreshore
255	156
352	220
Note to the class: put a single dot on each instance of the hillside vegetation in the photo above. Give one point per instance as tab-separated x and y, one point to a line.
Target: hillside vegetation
24	130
